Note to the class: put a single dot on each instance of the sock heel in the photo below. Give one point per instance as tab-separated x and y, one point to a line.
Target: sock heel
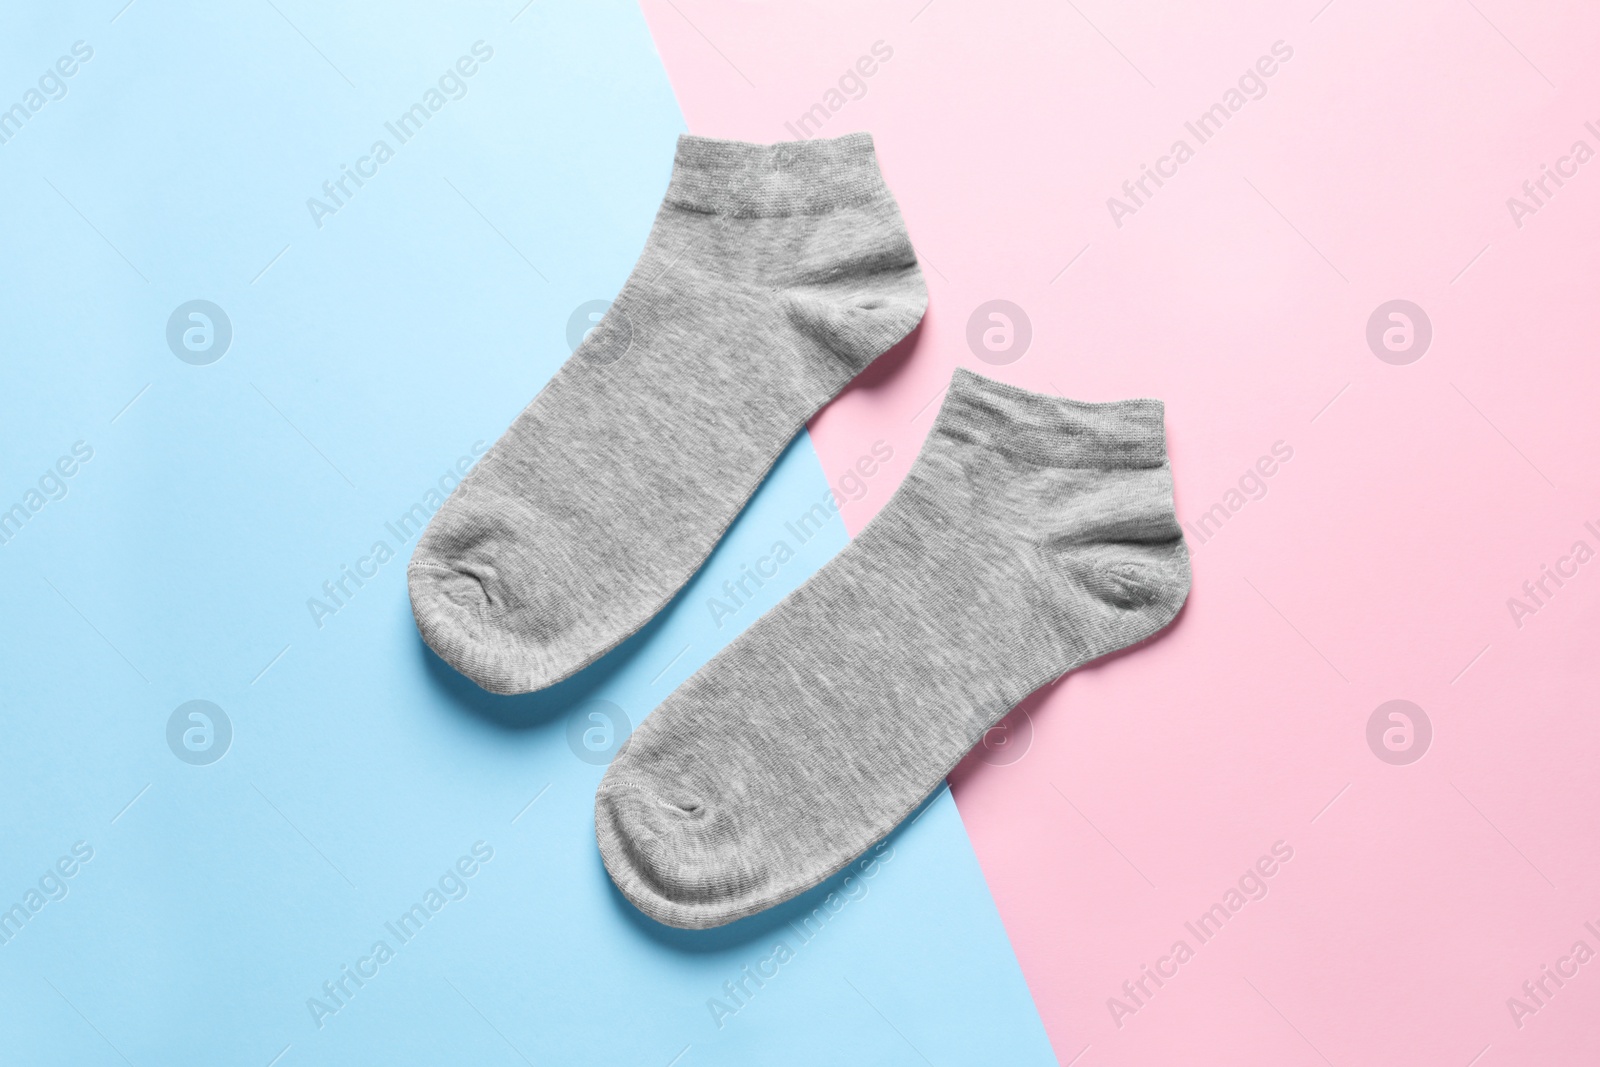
858	289
1124	575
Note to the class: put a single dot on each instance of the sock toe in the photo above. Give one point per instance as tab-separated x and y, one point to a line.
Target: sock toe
674	855
457	619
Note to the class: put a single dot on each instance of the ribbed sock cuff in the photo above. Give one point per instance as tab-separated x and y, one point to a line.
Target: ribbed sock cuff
1052	430
788	178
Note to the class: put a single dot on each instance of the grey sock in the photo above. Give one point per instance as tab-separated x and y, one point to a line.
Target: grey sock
1031	535
772	276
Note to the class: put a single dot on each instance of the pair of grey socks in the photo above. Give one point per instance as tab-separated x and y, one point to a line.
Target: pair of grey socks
1031	535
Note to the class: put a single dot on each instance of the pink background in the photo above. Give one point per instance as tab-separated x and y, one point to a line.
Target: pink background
1379	563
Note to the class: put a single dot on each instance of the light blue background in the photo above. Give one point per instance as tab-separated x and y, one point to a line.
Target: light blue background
369	356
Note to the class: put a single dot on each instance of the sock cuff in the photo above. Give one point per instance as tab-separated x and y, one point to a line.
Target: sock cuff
788	178
1052	430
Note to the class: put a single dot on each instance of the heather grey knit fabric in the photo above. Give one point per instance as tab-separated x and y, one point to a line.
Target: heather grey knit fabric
1031	535
772	276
